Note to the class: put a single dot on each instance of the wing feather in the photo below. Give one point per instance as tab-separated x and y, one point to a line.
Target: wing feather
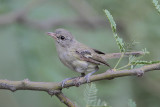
92	57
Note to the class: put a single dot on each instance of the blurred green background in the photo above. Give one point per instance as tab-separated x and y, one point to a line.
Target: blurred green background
27	52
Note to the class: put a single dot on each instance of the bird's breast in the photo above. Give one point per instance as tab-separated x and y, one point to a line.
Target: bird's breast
66	59
72	61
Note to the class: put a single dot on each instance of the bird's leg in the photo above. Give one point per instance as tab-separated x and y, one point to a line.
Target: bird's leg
64	81
76	84
89	74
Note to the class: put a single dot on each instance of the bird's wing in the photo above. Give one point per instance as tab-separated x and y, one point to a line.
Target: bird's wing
98	52
92	57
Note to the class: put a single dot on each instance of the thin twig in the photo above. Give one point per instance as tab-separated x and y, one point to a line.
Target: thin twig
126	54
119	60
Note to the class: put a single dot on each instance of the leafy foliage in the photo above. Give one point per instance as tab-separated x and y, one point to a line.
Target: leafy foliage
144	62
133	60
119	40
90	96
157	6
111	20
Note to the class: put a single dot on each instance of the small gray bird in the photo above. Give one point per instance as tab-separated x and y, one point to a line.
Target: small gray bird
75	55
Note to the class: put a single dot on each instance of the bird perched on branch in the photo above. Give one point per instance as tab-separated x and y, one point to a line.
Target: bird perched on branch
75	55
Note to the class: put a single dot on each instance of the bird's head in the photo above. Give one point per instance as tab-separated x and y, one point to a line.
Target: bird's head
63	37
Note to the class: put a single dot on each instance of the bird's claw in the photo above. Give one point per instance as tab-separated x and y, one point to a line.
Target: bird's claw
87	78
88	75
64	81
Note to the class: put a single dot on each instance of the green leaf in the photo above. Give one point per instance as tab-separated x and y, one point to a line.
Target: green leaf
131	103
157	6
111	20
144	62
132	58
119	41
90	96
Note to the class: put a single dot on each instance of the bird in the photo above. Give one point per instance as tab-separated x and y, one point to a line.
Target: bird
77	56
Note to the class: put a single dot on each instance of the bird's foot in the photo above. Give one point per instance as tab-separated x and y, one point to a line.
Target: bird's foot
89	74
76	80
87	77
64	81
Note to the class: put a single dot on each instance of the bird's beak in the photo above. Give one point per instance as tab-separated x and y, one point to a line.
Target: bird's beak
52	34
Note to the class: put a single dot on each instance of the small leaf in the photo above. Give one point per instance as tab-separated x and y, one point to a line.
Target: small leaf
91	97
90	94
138	62
111	20
131	58
119	41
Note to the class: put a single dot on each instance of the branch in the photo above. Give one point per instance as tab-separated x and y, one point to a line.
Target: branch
118	55
52	87
65	100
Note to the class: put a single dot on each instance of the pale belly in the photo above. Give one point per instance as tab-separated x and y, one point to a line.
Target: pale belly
77	65
83	66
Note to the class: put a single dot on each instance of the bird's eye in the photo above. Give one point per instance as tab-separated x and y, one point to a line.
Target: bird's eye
62	37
